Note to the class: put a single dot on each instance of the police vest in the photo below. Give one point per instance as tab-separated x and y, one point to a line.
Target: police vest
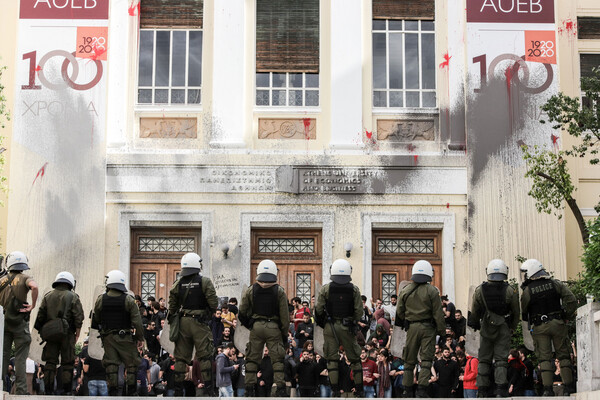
114	315
195	299
340	303
265	301
494	294
545	299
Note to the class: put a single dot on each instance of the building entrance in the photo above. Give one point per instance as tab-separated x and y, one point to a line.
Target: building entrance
298	255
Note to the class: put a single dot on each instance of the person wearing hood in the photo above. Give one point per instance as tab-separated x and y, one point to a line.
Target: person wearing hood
420	313
60	305
194	298
264	311
547	304
339	308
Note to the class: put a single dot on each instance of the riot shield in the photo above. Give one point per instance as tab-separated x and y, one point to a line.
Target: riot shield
241	338
472	339
36	347
318	337
165	340
399	335
527	338
95	349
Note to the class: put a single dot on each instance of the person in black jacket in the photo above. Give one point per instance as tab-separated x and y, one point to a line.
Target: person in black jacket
265	376
305	331
447	372
308	375
460	325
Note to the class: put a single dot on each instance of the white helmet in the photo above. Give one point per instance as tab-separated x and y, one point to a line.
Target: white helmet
422	272
266	271
115	279
532	267
340	271
191	264
64	277
17	261
497	271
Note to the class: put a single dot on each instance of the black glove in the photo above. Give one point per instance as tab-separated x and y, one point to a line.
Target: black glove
320	320
471	322
399	322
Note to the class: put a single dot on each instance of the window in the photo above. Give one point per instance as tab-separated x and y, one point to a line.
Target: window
170	52
303	286
587	63
388	287
287	53
403	63
148	285
287	89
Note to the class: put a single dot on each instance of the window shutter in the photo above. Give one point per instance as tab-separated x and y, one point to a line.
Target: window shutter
588	28
169	13
587	62
287	36
404	9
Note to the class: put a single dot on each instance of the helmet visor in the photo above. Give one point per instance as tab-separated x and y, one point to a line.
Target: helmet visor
341	279
267	278
189	271
497	277
420	278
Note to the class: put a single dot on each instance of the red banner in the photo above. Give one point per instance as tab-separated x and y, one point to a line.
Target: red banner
64	9
511	11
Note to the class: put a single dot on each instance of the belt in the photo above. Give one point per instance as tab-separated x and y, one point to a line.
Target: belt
120	332
422	321
544	319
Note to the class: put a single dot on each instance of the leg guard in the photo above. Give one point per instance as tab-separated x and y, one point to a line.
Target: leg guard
112	378
206	369
278	377
180	369
49	375
500	372
547	369
425	373
358	376
251	370
131	376
332	367
483	374
566	372
409	377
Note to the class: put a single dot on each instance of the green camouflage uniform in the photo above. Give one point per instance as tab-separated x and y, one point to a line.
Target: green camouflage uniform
53	305
422	308
194	332
346	337
120	349
271	331
16	327
552	332
495	339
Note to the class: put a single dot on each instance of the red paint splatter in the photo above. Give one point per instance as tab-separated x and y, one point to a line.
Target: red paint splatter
38	68
416	158
568	27
509	73
446	63
97	52
40	173
133	7
411	147
447	205
369	134
554	138
306	122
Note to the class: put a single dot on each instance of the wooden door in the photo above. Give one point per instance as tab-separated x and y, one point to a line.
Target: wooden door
395	252
156	258
298	255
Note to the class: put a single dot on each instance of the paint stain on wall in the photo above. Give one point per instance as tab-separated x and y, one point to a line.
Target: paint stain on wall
446	62
134	8
40	173
568	27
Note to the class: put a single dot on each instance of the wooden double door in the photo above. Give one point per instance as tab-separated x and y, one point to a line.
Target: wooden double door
298	255
395	252
156	258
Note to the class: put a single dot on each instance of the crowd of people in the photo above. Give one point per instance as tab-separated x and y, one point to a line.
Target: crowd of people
226	371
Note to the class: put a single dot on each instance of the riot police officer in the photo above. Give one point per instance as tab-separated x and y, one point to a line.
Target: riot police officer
495	311
117	317
419	311
339	308
264	310
547	304
14	287
193	296
60	303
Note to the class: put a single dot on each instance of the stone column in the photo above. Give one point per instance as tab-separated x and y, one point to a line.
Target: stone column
588	347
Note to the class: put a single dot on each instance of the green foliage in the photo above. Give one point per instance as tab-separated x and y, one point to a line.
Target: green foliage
591	260
78	348
578	288
551	184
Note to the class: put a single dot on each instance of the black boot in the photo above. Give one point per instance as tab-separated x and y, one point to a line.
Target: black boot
68	389
502	391
335	391
281	392
422	392
178	392
482	392
359	391
113	391
250	391
408	392
548	392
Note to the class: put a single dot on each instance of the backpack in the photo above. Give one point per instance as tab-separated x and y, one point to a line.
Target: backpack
56	329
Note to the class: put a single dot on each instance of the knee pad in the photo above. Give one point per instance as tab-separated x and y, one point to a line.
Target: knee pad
180	367
546	366
565	363
501	364
426	364
251	366
112	369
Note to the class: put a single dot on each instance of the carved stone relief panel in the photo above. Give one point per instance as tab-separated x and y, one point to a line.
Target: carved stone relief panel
287	128
168	128
397	130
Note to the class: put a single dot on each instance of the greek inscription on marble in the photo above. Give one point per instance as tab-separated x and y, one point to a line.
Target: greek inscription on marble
223	281
168	128
395	130
240	180
288	128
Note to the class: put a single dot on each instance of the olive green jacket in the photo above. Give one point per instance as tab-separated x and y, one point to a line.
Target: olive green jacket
53	304
208	289
324	296
247	309
512	299
568	300
130	306
422	304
